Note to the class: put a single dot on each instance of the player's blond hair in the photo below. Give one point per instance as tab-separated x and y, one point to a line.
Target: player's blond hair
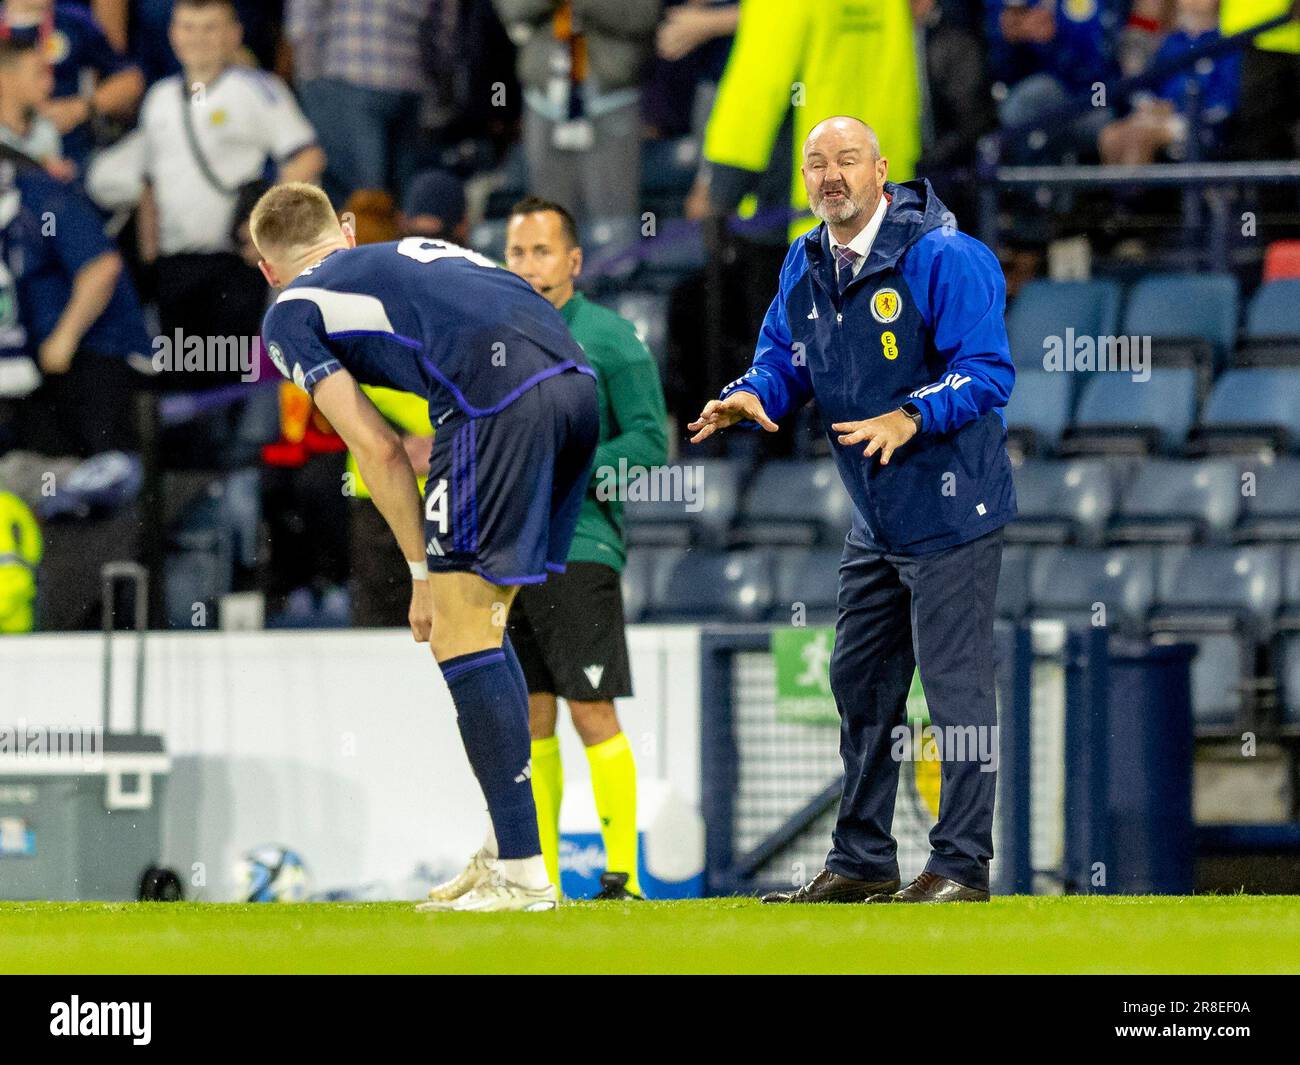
291	217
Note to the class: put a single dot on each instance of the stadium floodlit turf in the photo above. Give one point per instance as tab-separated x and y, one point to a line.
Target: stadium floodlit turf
1227	934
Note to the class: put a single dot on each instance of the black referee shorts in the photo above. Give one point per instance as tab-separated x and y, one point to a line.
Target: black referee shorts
570	635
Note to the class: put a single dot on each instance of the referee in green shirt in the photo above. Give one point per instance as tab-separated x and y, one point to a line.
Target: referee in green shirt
569	632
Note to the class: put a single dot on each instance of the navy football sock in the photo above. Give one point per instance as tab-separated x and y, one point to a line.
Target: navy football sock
493	718
516	669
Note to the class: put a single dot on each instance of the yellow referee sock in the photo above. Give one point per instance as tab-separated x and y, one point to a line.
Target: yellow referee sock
548	790
613	780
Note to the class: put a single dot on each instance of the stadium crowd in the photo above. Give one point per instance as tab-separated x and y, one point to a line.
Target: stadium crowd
137	134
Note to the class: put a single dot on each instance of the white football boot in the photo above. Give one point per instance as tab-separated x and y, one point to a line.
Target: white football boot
496	894
479	869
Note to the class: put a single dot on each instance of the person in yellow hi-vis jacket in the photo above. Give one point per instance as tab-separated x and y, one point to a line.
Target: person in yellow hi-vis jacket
1268	109
810	61
20	555
380	582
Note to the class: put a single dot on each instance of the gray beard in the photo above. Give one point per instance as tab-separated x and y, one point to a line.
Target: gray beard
836	215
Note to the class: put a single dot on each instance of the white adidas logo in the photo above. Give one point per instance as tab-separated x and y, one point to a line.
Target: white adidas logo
593	674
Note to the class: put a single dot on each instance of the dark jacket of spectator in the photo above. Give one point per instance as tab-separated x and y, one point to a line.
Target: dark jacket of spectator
959	103
1217	80
1081	51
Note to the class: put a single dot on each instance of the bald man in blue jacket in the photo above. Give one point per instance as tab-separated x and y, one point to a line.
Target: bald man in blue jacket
894	321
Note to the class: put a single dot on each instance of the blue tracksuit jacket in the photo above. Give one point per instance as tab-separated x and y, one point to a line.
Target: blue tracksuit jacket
923	320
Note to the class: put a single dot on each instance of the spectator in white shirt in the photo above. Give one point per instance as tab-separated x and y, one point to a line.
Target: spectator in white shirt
204	134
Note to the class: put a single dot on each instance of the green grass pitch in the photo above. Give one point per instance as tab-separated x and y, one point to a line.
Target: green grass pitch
1230	934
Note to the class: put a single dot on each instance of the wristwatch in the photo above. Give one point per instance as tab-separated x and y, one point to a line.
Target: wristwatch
913	412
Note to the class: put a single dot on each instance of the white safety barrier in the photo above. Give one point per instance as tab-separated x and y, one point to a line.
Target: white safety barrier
340	744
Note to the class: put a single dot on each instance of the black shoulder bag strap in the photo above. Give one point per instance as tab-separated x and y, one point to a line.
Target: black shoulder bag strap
192	138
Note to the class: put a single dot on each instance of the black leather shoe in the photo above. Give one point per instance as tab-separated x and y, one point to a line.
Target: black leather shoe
931	887
831	887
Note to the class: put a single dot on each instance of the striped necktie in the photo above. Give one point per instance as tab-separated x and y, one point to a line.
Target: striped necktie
845	258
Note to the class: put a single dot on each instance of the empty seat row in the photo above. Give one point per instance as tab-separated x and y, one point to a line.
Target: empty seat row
1251	409
1232	604
1193	312
801	503
1228	602
716	502
1253	589
1091	501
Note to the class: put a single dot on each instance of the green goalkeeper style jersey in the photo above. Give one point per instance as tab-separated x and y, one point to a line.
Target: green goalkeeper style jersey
633	422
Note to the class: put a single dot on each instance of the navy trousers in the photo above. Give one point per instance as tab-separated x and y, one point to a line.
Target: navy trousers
896	613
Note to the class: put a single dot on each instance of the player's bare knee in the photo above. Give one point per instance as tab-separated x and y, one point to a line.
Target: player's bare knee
595	722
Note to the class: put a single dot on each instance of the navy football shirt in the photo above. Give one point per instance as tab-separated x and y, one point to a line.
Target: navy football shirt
422	316
75	44
51	231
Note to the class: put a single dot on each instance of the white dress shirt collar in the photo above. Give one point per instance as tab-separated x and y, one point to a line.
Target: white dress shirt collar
866	236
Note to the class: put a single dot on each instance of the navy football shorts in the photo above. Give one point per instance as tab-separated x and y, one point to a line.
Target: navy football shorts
504	489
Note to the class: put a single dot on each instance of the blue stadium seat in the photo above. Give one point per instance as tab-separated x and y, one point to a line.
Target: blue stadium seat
611	251
1225	601
1179	310
1271	505
704	586
1222	671
669	165
648	313
810	577
1068	583
1274	312
1013	583
199	566
1118	415
675	252
1272	333
1290	616
795	502
511	183
193	578
1048	308
256	424
702	519
1062	502
1238	588
1253	409
1178	501
1039	411
638	578
489	238
1288	676
240	510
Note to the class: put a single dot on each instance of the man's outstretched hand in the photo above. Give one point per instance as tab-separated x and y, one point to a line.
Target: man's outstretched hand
724	413
886	433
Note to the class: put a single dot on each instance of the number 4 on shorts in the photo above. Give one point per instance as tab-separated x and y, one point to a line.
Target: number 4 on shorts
435	504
